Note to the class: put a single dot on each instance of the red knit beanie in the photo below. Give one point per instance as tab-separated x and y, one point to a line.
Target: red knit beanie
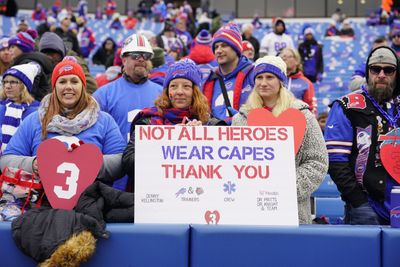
67	67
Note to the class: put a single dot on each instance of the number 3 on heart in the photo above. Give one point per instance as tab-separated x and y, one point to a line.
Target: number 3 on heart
70	181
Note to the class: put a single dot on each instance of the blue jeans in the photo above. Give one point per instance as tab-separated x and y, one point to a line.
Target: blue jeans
362	215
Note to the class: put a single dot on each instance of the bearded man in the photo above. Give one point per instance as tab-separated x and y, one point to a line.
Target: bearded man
355	133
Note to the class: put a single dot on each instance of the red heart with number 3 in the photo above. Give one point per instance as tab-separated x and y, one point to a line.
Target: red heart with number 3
390	156
66	174
290	117
212	217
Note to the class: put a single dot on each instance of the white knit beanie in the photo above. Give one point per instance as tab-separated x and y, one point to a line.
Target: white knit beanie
25	72
271	64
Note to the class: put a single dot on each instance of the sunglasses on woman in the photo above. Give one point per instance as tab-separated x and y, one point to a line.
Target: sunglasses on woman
386	70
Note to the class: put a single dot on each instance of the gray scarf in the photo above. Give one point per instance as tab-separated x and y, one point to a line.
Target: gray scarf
69	127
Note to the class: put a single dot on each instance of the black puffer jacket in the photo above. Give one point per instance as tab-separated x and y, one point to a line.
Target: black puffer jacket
41	85
38	232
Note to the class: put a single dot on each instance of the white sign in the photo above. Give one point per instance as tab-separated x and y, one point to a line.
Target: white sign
215	175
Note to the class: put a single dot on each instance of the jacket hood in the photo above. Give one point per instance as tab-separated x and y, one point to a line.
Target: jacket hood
201	54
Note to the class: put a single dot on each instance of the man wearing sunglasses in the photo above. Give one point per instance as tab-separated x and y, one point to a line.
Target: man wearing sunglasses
353	134
126	96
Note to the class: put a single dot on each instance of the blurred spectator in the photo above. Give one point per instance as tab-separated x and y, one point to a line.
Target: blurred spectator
183	35
202	54
216	22
56	8
257	22
346	30
150	36
39	13
105	54
157	74
312	57
85	37
110	8
52	45
144	9
82	8
247	35
373	19
204	22
275	41
99	13
21	43
384	18
112	73
248	50
298	84
130	21
167	37
54	48
5	55
396	41
176	51
48	26
8	8
23	25
338	16
159	11
116	22
67	35
331	30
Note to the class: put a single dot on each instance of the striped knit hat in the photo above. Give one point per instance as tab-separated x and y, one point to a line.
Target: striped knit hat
229	34
24	41
204	37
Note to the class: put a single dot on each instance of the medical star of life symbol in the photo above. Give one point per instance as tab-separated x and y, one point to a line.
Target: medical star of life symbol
229	187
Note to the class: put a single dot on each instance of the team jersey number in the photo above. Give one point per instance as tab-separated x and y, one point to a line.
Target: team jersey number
279	46
70	181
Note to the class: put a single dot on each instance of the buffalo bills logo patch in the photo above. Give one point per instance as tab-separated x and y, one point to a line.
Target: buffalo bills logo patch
356	101
127	41
65	68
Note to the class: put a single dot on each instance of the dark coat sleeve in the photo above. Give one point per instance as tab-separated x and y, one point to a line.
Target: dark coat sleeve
343	176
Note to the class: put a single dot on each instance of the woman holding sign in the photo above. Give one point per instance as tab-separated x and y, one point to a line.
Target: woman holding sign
181	103
69	114
271	94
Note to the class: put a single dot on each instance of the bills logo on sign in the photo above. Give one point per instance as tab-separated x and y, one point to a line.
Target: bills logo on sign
65	68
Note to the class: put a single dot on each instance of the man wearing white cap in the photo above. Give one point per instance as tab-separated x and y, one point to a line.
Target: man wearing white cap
358	128
126	96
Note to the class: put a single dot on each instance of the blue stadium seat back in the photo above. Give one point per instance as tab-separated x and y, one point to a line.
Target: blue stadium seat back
260	246
331	207
326	189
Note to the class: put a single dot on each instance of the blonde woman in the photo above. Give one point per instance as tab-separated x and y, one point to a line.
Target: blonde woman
16	101
270	93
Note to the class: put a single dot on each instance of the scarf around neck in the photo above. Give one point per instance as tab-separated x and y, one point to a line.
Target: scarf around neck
69	127
170	116
11	121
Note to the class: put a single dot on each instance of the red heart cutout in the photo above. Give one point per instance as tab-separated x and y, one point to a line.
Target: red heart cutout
212	217
390	156
66	174
290	117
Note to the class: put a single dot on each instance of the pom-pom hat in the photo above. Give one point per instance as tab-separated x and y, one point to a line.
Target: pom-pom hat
229	34
67	67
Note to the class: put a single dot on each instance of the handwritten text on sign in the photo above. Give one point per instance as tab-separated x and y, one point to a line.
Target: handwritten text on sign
184	173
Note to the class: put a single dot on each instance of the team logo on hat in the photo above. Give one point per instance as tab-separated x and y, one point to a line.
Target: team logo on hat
127	41
178	72
65	69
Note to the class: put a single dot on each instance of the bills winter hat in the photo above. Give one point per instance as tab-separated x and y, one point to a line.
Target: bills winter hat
67	67
24	41
26	73
186	69
204	37
271	64
229	34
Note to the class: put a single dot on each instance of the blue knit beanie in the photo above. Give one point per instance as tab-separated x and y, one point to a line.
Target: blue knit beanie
229	34
24	41
271	64
186	69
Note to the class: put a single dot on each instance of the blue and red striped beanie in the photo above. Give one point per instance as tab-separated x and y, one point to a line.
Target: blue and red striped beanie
229	34
24	41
